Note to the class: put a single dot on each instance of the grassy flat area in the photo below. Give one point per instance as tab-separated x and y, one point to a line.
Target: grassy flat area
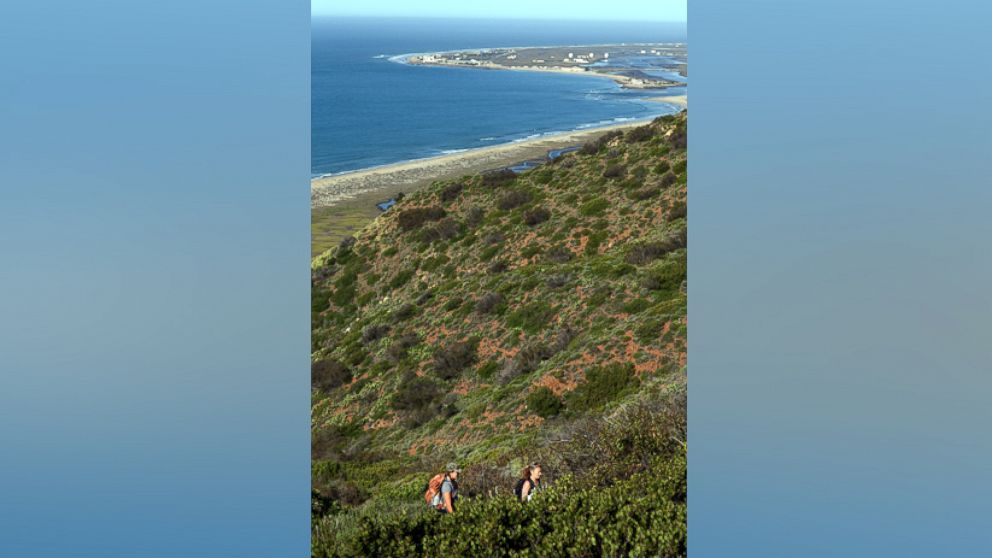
328	225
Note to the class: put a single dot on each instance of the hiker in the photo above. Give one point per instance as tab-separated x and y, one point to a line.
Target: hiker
442	490
529	482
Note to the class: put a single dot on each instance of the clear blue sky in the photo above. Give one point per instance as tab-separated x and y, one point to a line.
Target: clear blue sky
627	10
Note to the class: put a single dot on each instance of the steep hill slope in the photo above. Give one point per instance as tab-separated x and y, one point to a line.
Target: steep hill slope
480	316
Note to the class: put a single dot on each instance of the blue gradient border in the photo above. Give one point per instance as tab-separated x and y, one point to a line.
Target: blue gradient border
154	291
839	279
153	294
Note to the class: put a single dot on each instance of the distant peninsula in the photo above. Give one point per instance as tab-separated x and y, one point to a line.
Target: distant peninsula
632	66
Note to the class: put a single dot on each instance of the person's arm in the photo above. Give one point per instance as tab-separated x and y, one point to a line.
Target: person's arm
447	502
525	490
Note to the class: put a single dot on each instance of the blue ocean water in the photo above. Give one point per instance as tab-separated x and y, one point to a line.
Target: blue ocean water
367	110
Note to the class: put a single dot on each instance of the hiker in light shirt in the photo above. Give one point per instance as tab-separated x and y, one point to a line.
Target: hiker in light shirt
529	482
446	495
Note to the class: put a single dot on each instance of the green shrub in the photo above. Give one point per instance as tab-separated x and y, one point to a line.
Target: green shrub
596	240
593	147
431	264
489	303
644	193
498	266
531	317
451	192
451	359
445	229
401	345
329	374
474	216
415	392
453	303
374	332
558	254
594	207
603	384
488	253
614	171
544	403
666	277
415	217
646	252
401	279
513	199
536	216
635	306
498	178
641	133
487	370
404	312
530	250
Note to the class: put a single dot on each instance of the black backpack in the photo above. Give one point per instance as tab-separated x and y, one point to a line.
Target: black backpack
519	488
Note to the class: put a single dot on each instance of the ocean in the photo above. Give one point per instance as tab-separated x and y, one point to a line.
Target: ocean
368	110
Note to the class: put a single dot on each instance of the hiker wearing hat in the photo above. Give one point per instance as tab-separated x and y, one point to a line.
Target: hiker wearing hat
442	490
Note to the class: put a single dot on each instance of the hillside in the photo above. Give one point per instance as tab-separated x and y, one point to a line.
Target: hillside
490	318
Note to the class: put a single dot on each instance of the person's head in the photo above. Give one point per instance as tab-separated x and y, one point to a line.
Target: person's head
531	472
452	470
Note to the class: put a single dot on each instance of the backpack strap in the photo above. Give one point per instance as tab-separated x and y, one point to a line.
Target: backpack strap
440	492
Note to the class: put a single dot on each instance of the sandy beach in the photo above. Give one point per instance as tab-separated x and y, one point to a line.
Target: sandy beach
388	180
681	101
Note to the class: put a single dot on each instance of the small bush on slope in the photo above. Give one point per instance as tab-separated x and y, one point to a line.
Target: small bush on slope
329	374
603	384
409	219
451	359
544	403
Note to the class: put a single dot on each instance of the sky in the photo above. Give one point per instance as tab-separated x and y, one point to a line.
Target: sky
602	10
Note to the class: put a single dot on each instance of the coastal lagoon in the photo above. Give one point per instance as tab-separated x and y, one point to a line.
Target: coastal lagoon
370	110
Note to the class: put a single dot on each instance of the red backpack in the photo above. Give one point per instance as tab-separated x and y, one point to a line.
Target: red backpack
432	488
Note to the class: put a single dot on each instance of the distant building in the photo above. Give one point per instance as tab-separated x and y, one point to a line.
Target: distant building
607	55
571	55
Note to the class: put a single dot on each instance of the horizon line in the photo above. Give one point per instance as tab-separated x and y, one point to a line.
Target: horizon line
315	15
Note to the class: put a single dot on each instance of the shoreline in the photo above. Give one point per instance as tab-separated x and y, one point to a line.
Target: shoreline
408	176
